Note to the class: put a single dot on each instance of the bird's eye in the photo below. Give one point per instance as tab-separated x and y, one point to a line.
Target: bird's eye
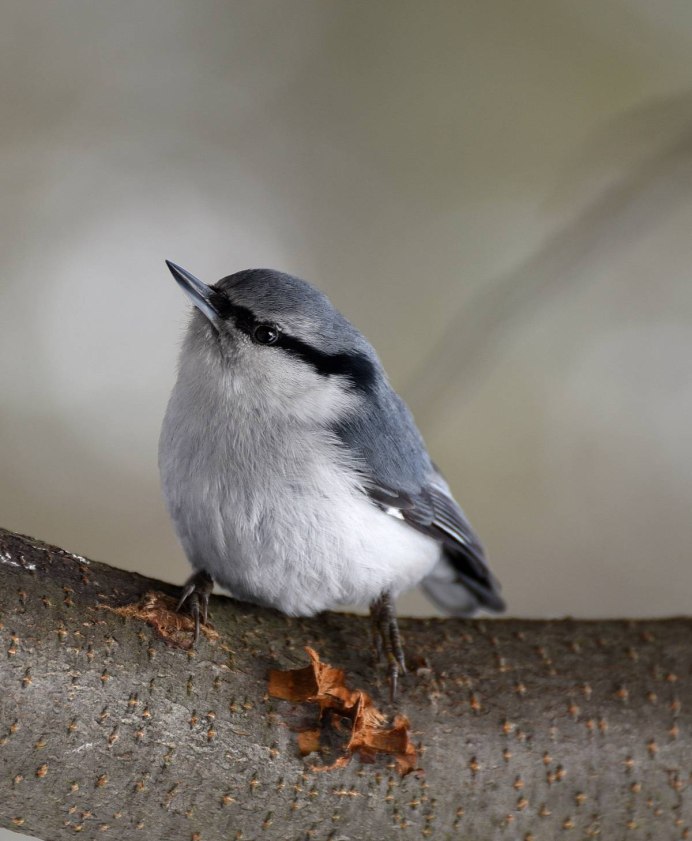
266	334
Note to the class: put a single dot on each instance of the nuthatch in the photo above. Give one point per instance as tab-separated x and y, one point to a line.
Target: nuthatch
295	474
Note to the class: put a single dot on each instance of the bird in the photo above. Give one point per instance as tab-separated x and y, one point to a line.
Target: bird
293	472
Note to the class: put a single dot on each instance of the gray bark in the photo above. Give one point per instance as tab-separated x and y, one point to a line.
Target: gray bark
528	729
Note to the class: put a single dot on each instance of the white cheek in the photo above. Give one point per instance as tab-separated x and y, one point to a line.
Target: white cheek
266	381
323	400
288	387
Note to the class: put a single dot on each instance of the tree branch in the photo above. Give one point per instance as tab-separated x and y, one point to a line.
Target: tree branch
528	729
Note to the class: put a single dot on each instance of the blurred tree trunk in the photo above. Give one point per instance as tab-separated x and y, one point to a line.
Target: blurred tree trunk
527	729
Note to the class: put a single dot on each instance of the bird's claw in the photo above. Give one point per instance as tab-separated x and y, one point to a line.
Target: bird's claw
387	641
196	592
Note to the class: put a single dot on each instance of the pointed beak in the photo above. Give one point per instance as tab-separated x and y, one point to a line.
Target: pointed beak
201	295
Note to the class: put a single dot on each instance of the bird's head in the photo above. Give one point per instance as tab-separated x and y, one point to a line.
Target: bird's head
278	342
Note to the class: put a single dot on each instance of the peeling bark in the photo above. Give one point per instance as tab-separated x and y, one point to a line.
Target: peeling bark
528	730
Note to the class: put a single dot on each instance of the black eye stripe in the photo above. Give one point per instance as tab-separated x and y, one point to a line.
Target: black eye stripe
355	366
243	318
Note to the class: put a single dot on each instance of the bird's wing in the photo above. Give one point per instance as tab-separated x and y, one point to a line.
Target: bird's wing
398	476
434	511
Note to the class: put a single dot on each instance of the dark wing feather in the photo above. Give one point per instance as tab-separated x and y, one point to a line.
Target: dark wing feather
434	512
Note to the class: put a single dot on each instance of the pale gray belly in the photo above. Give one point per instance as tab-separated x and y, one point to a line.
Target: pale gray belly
306	541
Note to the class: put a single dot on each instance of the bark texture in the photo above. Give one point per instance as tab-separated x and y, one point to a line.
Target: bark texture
530	730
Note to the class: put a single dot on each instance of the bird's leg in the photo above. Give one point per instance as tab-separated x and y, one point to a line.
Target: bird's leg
376	630
385	631
197	590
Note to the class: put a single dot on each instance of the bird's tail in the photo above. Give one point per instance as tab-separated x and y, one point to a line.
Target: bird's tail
461	594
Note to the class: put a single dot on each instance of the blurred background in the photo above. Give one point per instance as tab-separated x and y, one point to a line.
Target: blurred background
498	194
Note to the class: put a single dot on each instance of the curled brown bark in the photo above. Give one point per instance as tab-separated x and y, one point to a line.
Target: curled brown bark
527	729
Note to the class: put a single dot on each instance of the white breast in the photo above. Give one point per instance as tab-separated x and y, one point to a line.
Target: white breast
272	511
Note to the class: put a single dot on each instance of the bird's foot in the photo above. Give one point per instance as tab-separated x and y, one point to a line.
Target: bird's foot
196	592
386	639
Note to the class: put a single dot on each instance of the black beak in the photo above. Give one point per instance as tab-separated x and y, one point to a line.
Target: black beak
201	295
